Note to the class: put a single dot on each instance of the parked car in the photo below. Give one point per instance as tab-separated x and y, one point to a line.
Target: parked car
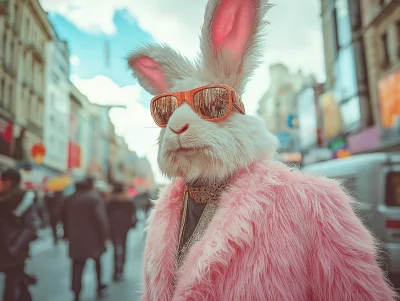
374	181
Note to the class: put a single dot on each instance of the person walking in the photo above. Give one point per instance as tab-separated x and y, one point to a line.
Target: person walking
122	216
17	231
53	202
86	228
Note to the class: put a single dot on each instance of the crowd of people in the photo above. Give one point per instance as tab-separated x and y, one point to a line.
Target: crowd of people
89	221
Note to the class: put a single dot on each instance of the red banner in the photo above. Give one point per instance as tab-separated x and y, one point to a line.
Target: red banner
6	136
74	155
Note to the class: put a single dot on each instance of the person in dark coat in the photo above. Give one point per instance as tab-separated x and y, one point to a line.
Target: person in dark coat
53	202
86	228
122	216
17	231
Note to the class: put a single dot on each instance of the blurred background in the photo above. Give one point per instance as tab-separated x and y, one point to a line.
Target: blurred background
69	107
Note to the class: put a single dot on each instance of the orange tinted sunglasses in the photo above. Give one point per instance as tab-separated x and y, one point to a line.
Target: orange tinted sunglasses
212	102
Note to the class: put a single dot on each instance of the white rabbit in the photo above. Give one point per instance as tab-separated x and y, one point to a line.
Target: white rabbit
270	233
229	56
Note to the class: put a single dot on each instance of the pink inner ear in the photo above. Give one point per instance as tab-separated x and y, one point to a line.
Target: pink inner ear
151	70
233	25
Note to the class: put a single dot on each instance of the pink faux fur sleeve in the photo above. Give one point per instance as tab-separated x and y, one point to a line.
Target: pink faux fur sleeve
343	264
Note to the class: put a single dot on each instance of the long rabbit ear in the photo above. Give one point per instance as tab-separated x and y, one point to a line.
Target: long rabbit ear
231	40
158	67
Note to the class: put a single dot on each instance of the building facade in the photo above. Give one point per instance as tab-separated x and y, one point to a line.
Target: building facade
75	132
280	103
24	33
34	33
9	21
381	22
345	62
361	41
57	105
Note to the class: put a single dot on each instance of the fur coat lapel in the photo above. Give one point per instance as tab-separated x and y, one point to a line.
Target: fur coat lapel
212	252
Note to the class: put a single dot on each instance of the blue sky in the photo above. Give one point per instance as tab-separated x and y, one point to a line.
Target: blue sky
294	38
90	48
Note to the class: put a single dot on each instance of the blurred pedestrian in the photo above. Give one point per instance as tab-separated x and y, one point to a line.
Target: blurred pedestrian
122	216
86	228
54	202
17	231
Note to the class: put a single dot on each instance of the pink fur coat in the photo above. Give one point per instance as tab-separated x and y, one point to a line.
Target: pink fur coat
278	235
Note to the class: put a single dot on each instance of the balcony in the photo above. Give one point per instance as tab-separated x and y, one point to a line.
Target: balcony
37	52
3	7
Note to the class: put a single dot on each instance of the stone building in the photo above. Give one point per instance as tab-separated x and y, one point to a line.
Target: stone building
24	33
362	62
280	101
381	21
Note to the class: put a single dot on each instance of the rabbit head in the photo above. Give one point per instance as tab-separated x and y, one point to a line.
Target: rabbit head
190	147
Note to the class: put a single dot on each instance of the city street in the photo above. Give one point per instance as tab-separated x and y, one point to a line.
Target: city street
52	267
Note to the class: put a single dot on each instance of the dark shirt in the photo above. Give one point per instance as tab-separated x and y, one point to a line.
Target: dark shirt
193	214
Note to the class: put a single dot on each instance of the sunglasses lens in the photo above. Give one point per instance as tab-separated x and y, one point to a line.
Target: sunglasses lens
212	103
162	109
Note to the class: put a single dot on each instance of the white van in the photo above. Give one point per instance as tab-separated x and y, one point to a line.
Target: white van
374	181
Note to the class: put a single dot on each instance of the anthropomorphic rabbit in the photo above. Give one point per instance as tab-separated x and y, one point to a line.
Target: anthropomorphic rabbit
234	224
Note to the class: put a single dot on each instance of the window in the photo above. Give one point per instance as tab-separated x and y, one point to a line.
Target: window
398	37
351	113
334	31
8	102
33	73
15	14
345	74
360	63
343	23
27	30
2	90
385	50
4	44
39	117
12	54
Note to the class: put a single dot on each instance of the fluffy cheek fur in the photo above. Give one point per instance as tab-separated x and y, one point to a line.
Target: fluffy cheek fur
220	148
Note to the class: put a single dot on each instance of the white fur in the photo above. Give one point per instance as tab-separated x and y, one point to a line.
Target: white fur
221	148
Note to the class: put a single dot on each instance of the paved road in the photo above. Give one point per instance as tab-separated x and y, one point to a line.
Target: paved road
52	267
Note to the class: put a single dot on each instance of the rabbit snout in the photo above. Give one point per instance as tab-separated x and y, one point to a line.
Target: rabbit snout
183	120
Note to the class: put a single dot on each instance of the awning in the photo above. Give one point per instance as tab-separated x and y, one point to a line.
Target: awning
58	183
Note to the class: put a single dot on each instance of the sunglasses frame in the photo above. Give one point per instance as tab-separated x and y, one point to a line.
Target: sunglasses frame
188	97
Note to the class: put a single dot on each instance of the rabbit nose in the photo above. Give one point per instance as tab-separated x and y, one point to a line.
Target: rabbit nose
181	130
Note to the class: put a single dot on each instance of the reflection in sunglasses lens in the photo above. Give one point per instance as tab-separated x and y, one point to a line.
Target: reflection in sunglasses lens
163	108
212	102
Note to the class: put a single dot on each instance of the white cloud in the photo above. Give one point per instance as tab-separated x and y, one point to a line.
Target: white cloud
134	122
103	90
74	60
